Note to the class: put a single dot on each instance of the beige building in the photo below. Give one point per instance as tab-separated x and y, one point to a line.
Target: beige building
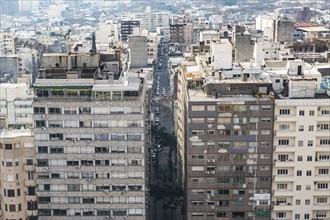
17	168
301	146
7	44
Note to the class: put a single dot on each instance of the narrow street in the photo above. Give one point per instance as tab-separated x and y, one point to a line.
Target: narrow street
164	204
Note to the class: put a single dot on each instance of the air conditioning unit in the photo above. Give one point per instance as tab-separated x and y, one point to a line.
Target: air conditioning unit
208	172
49	204
212	172
106	191
212	207
88	180
43	128
209	161
88	141
43	116
227	88
212	194
74	140
213	161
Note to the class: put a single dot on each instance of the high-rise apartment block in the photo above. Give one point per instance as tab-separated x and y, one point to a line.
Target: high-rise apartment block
301	145
138	54
127	27
225	143
152	20
18	184
90	140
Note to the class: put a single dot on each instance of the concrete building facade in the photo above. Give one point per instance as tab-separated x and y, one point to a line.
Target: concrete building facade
90	140
18	179
138	54
151	20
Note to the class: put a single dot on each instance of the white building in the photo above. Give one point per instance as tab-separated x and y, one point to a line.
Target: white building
90	140
107	33
7	45
208	36
301	147
16	102
221	54
266	50
151	20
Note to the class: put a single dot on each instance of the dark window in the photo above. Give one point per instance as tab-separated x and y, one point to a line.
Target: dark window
12	208
29	161
43	200
8	146
32	191
39	110
44	212
59	212
18	192
11	193
43	150
40	124
56	150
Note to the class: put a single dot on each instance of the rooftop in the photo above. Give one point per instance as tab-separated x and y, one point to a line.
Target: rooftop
15	133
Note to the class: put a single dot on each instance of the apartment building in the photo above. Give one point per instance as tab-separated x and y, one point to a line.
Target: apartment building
16	102
182	29
7	44
301	146
90	140
225	143
152	20
18	184
126	28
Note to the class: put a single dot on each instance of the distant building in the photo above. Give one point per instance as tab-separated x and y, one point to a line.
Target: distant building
8	68
127	27
138	54
16	102
243	44
151	20
275	29
7	43
182	29
9	7
221	54
18	183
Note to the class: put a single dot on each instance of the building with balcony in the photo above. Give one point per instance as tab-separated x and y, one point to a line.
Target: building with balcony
18	183
224	142
90	140
301	158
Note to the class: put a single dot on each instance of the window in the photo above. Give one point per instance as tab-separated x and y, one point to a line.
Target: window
301	128
197	108
299	158
42	149
300	143
284	127
283	142
310	143
322	185
54	111
284	111
324	157
282	186
12	208
325	142
306	216
307	202
280	215
308	173
39	110
11	193
311	128
298	187
309	158
298	202
282	172
299	172
311	113
324	171
283	157
8	146
301	113
322	200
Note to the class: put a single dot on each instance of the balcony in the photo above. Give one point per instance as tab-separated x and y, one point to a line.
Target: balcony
285	118
287	163
282	193
322	148
30	182
29	168
283	178
322	178
283	207
31	197
286	133
285	148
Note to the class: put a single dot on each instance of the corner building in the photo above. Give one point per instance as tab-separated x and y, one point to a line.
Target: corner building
18	184
90	140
